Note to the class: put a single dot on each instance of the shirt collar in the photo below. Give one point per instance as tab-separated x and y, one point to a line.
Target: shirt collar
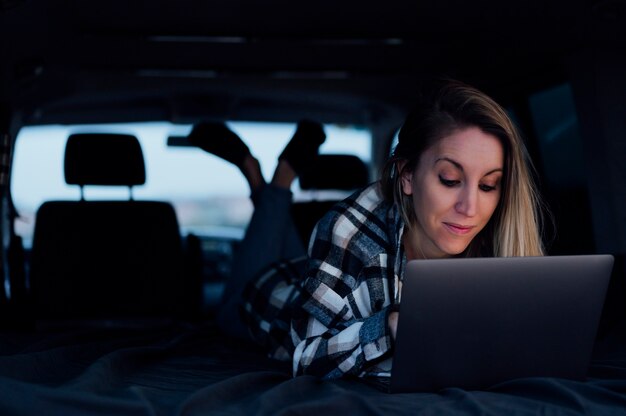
395	229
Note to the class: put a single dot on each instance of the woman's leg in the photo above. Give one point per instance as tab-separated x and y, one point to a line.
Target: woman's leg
271	235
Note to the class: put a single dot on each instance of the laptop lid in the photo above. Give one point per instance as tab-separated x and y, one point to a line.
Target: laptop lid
472	323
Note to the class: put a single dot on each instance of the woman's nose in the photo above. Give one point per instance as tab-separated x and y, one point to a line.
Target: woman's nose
467	203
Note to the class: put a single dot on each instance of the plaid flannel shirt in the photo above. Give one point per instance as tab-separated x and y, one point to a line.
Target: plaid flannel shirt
334	321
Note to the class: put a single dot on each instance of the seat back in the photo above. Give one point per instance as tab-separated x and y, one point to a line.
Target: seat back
107	259
340	174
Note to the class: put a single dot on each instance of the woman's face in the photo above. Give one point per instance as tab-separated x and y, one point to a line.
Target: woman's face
455	189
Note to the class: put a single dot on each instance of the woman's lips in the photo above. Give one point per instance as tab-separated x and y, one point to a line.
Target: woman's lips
457	228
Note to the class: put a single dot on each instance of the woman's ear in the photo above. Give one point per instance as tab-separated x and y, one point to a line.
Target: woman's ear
406	177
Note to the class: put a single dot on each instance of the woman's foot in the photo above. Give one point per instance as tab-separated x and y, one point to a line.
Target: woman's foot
300	153
219	140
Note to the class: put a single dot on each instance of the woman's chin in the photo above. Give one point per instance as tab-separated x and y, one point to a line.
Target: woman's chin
451	250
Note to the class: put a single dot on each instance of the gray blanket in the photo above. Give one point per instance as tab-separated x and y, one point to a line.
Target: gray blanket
181	369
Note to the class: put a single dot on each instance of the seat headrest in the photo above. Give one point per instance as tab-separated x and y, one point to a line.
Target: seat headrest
104	159
341	172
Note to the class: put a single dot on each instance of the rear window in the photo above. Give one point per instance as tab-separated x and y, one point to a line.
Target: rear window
210	196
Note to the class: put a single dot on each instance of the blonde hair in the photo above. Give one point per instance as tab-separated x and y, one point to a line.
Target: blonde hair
515	227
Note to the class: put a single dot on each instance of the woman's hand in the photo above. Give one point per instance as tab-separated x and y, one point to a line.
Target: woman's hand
392	321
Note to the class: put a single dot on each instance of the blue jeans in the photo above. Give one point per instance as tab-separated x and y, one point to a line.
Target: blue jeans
270	237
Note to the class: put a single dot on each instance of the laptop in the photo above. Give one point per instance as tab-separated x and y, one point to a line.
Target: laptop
473	323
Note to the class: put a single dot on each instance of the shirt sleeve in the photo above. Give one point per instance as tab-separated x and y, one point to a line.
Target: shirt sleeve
341	327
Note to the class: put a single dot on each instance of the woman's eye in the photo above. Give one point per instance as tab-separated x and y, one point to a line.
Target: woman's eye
486	188
448	182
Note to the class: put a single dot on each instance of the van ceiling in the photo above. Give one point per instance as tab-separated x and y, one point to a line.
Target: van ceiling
94	61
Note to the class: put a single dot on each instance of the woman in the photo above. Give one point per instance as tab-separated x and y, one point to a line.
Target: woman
457	184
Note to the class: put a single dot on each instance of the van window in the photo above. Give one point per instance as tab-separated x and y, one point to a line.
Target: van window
210	196
562	157
556	126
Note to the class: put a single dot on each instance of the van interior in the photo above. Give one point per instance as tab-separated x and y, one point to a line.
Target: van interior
115	252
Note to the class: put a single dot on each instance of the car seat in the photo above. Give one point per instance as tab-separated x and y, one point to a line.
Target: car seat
107	259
